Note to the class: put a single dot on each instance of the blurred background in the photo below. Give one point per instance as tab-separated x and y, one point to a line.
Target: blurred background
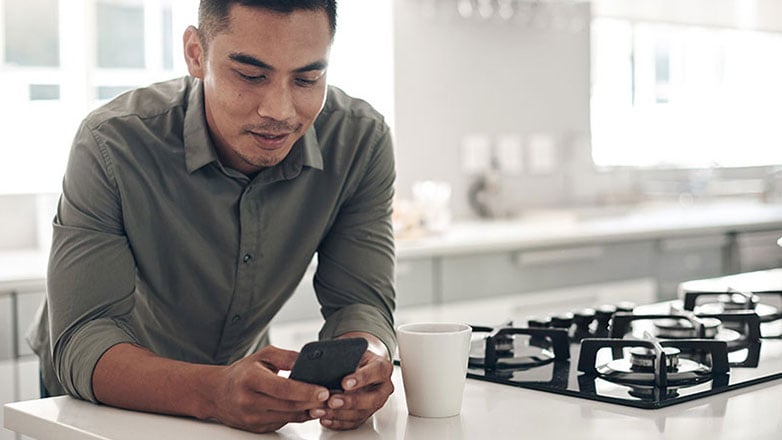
500	110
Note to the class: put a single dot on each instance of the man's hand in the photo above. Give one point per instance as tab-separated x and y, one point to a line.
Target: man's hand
247	394
366	390
251	396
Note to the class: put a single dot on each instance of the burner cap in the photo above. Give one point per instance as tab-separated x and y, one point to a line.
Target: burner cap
563	320
539	322
584	316
643	357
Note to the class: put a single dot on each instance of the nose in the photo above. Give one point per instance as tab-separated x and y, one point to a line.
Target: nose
276	102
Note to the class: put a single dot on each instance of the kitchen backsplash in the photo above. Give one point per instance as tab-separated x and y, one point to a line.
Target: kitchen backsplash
519	83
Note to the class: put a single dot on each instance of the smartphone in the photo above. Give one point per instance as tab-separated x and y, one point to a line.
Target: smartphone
327	362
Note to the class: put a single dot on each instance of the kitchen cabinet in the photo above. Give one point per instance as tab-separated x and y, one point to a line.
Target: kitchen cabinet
686	258
19	302
18	369
471	276
758	250
7	393
415	285
6	326
416	281
27	304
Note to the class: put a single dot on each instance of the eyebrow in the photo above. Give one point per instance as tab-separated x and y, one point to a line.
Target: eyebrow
252	61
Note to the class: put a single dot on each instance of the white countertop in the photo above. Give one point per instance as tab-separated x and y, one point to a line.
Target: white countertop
543	228
489	411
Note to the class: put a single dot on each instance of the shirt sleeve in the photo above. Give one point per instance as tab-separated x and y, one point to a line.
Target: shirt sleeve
91	274
355	276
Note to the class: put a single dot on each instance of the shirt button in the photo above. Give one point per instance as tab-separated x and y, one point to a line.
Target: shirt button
247	258
235	319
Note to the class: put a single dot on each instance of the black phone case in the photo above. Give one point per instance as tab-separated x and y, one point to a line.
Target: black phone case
327	362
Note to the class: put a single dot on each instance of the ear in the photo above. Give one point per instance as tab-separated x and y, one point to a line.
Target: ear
194	52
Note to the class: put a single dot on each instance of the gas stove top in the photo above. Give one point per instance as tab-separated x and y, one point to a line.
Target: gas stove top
649	356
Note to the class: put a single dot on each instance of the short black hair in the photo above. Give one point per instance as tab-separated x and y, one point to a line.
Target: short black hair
213	14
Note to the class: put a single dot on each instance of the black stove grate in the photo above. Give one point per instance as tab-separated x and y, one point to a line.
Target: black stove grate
573	375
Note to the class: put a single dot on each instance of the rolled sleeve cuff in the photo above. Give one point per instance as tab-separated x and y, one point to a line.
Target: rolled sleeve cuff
80	356
361	318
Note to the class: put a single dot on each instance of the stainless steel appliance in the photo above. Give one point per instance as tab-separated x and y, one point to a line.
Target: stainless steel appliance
721	334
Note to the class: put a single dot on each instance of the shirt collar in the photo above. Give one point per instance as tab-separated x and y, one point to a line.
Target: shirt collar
199	148
312	155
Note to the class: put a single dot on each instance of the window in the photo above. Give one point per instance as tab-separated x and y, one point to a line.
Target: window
31	33
683	96
120	35
60	59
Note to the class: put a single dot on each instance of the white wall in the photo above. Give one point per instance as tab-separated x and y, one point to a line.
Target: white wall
456	77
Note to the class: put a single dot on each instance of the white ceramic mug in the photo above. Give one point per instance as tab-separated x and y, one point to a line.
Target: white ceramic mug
433	357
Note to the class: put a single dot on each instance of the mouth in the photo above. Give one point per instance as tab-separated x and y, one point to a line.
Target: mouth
270	141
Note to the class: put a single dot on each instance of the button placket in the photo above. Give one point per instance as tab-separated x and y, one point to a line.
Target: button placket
248	253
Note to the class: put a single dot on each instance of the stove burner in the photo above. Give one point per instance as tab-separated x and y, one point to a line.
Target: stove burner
539	322
681	328
563	320
732	300
502	349
738	329
642	358
661	371
583	320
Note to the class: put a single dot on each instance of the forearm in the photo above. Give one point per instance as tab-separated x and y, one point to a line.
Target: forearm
132	377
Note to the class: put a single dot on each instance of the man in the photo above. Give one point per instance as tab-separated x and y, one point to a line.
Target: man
192	208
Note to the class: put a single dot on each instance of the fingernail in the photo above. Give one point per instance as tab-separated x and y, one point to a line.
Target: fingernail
318	413
323	395
350	383
325	422
336	403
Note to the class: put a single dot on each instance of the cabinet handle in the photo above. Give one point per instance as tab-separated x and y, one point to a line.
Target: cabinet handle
532	258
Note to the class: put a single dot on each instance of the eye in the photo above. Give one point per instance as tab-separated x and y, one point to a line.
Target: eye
305	82
251	78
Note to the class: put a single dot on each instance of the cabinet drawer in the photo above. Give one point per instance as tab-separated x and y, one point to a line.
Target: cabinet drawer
693	257
689	258
6	326
415	282
758	250
27	304
475	276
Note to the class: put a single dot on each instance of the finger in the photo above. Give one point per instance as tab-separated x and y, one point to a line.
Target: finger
371	397
278	358
256	401
341	425
285	389
376	370
347	415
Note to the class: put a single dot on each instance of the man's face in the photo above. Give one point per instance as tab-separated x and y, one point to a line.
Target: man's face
264	82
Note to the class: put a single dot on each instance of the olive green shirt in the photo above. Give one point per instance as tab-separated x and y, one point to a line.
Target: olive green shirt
157	243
